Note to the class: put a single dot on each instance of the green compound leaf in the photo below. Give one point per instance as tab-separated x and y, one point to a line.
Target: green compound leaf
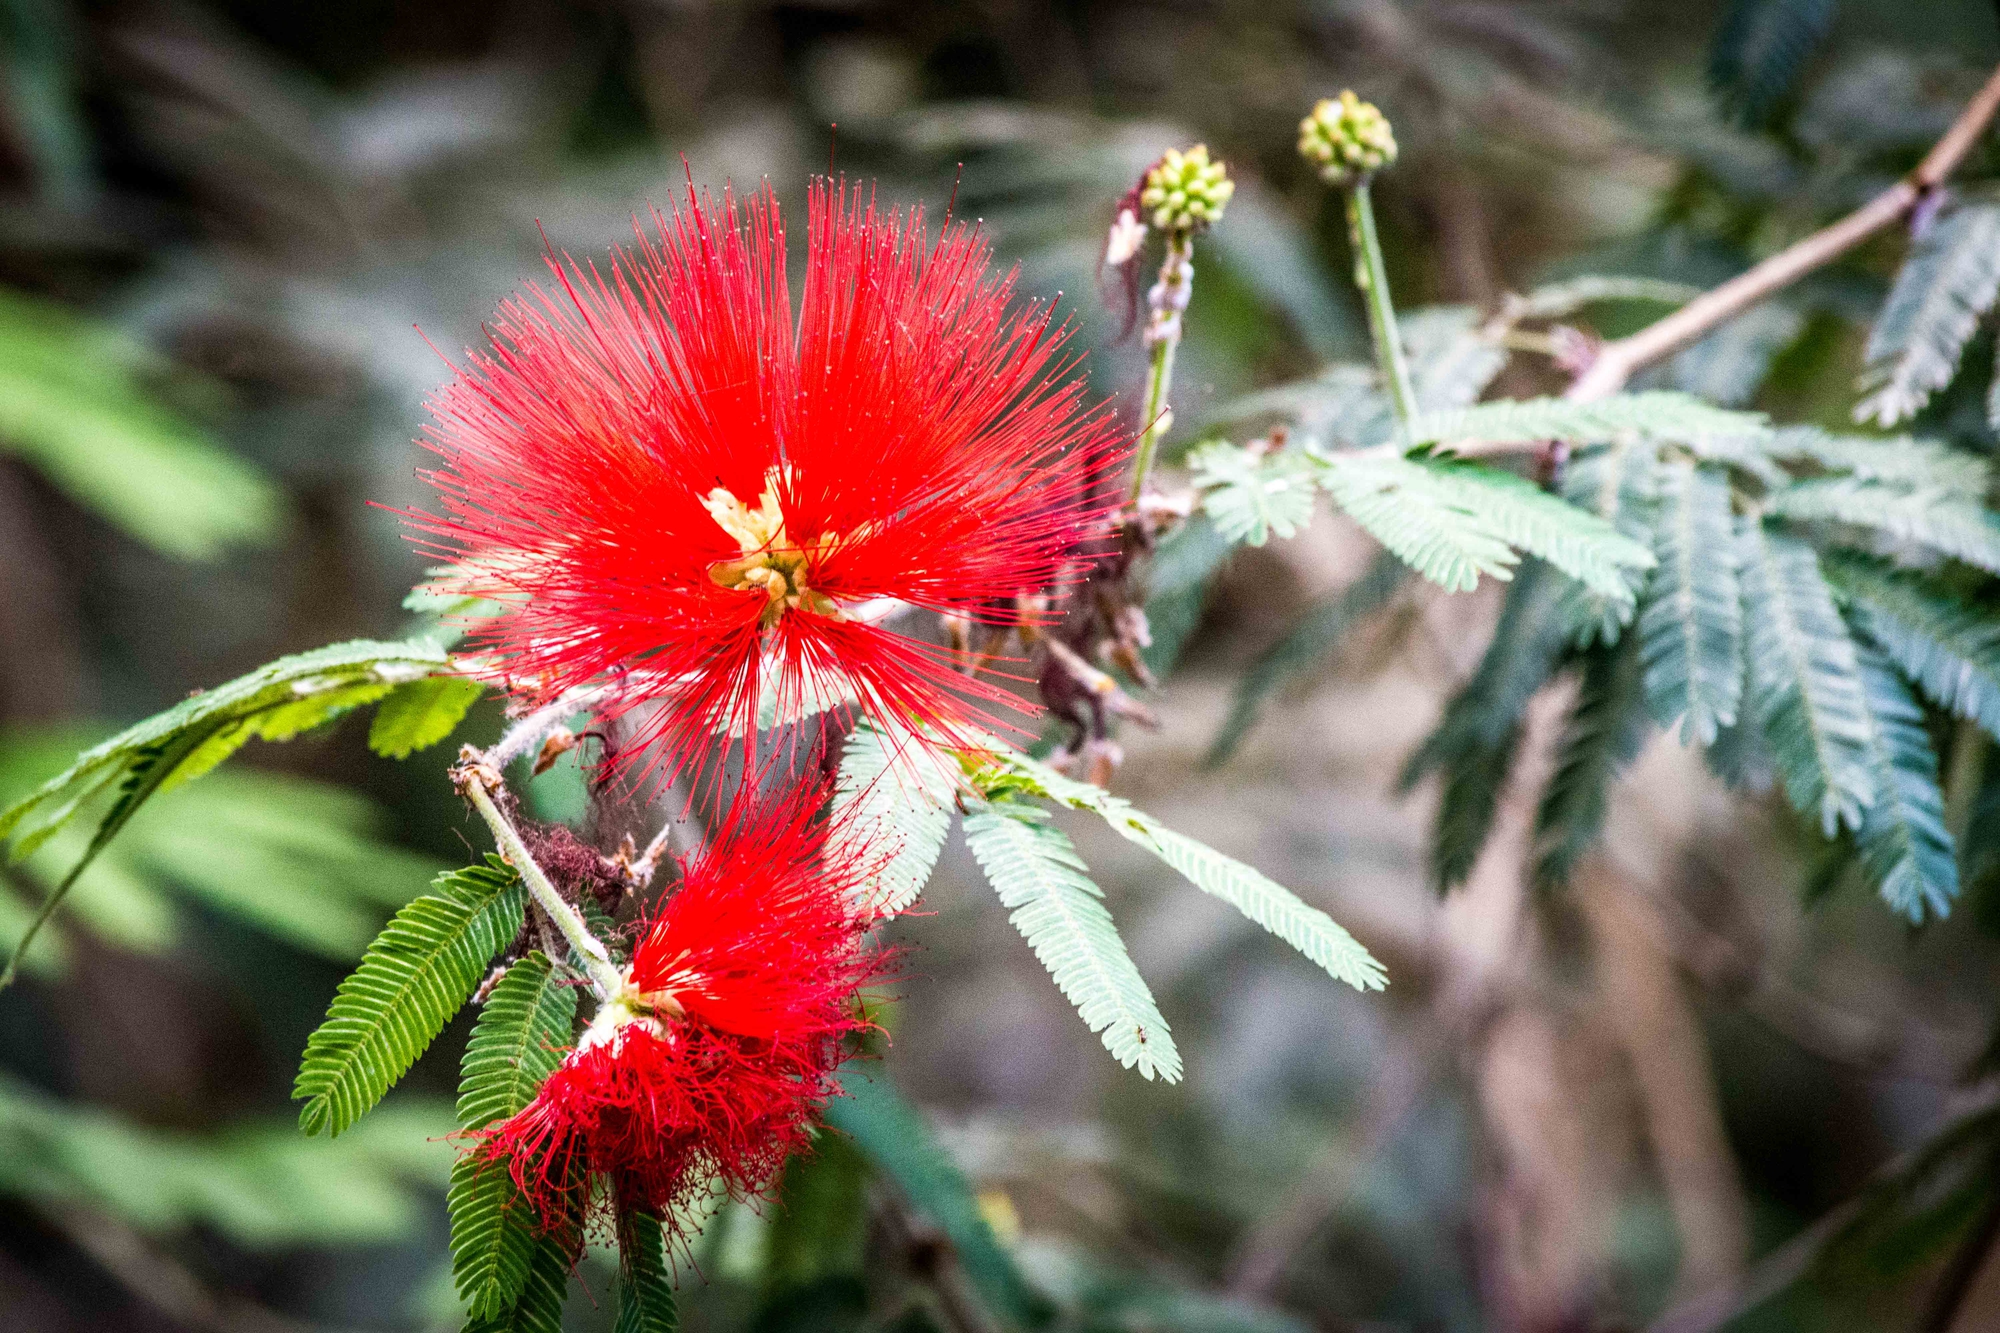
420	714
1606	727
419	971
1955	524
1474	744
646	1289
1900	460
1692	625
539	1308
1620	484
1805	680
1453	520
1660	414
894	1136
1905	849
1060	912
523	1030
1252	497
1945	286
1947	644
276	702
1264	901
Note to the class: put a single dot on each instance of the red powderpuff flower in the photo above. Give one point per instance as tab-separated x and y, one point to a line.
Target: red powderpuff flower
714	1061
670	482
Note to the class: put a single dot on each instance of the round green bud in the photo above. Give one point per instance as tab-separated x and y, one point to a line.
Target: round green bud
1186	191
1346	138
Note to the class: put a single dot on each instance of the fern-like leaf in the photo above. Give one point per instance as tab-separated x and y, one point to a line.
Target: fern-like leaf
1660	414
1060	912
1620	484
1949	646
1805	682
894	803
1899	460
1311	639
1251	497
275	701
1452	520
1905	849
519	1040
538	1309
1267	903
646	1291
1954	524
1760	50
1606	726
1474	744
1277	909
1947	283
418	973
1692	625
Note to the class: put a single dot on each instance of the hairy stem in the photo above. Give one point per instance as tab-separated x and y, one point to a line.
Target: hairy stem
1373	280
529	732
1167	300
476	779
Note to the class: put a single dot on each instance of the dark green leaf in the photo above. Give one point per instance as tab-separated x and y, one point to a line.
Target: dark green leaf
523	1030
1805	681
418	973
1606	726
646	1286
539	1309
1904	846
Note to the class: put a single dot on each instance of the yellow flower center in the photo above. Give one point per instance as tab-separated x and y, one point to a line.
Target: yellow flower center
771	563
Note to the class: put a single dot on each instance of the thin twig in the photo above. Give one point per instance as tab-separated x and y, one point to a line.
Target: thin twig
477	778
1619	360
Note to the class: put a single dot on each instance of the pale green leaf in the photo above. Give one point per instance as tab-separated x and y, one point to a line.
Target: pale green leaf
1060	912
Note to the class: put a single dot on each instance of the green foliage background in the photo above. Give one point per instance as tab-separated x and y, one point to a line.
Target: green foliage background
221	221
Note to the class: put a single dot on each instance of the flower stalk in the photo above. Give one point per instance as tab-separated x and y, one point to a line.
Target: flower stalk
1181	194
1348	141
477	779
1166	302
1373	279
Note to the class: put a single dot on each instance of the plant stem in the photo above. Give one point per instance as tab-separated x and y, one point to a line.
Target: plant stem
1168	298
474	779
1617	361
1373	280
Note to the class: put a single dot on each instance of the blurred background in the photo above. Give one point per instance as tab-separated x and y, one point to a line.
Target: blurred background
239	242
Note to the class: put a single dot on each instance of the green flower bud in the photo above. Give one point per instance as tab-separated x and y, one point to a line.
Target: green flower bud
1186	191
1347	139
